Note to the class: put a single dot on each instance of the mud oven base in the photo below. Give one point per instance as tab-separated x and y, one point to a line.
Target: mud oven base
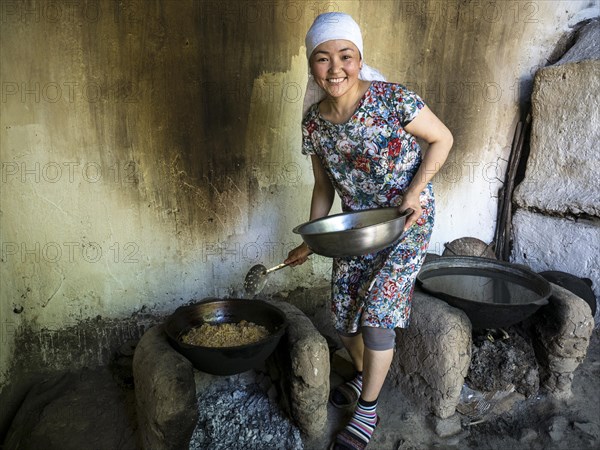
431	362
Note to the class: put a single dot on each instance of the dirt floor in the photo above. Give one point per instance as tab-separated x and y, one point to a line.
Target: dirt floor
95	409
512	423
536	423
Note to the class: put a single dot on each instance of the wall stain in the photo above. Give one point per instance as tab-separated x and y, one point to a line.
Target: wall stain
183	96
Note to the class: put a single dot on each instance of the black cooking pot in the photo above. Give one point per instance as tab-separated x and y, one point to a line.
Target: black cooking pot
493	294
226	360
581	287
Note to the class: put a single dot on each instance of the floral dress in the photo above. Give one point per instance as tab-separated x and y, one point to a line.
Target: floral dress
370	160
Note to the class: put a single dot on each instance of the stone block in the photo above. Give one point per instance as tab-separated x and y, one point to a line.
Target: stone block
561	334
557	427
562	176
447	427
528	435
433	355
592	429
587	45
165	393
302	357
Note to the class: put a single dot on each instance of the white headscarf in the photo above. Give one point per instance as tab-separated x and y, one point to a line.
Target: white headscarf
327	27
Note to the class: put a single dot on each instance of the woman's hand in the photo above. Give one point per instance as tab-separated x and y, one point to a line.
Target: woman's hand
410	201
299	255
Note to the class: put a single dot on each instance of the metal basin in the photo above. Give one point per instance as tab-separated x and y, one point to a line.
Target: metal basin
355	233
492	293
226	360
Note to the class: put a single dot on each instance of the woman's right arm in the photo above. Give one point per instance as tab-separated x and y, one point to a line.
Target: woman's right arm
320	205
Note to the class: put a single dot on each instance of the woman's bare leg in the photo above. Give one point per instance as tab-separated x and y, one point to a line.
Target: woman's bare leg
376	364
373	364
356	348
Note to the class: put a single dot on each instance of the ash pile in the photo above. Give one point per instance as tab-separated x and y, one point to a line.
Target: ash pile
502	358
242	412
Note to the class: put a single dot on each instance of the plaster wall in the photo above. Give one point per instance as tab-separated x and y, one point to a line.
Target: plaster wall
544	243
150	149
557	223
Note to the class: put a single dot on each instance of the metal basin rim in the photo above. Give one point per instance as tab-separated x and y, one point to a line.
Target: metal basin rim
298	229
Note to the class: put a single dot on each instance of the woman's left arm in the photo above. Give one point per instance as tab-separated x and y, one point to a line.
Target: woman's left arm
431	129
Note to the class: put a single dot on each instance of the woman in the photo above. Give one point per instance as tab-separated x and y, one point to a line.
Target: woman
360	134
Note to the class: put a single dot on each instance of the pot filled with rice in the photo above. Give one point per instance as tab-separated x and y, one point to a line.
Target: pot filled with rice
225	337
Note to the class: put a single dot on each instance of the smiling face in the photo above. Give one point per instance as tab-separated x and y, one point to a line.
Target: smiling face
335	66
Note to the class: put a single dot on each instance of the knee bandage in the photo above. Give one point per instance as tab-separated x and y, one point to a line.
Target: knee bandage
379	338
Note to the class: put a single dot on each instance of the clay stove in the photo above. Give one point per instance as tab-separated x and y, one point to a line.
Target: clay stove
167	387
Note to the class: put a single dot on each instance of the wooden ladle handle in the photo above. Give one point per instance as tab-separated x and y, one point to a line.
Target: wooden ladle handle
273	269
280	266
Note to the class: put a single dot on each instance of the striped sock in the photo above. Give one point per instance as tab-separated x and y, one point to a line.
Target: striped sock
347	393
359	430
356	383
